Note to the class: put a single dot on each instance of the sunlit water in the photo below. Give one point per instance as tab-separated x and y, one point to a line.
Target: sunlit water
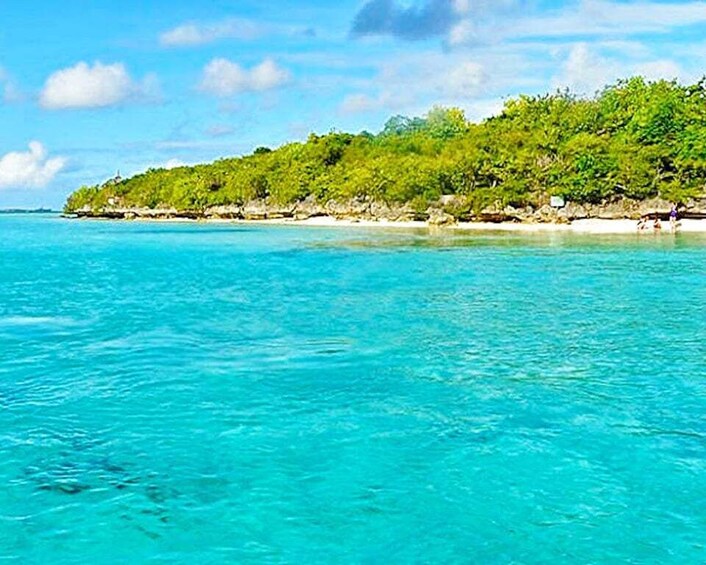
204	394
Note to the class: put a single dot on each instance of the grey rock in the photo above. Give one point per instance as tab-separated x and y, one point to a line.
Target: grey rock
440	218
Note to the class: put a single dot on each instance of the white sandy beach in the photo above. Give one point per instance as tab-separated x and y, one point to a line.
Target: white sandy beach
588	226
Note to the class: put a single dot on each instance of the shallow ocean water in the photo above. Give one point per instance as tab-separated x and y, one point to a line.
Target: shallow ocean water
203	394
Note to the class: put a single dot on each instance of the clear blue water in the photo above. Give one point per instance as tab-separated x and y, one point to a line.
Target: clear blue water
205	394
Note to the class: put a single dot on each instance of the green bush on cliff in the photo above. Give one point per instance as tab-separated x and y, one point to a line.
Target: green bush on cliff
634	139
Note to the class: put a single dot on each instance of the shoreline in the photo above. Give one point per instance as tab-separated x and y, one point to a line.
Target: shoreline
585	226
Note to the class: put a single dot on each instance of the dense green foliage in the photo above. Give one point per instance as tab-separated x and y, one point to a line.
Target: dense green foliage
635	139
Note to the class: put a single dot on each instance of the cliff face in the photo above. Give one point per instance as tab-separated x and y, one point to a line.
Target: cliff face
448	210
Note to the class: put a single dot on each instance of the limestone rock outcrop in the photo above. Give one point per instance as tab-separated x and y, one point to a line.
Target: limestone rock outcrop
448	210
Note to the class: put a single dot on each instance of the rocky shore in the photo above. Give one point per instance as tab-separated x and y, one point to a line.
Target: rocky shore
448	210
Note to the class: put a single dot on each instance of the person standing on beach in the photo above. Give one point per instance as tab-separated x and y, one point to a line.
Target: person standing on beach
673	214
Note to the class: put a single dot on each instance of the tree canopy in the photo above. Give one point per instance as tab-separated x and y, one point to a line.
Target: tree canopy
634	139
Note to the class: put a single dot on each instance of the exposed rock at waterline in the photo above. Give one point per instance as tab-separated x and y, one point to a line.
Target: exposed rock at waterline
448	210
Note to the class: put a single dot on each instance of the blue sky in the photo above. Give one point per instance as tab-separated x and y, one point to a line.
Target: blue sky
88	87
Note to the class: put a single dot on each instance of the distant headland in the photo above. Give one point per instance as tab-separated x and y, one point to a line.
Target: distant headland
633	150
28	211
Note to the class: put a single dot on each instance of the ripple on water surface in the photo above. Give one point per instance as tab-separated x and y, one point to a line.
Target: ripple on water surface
219	393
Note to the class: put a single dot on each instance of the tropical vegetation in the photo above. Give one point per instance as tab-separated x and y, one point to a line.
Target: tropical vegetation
634	139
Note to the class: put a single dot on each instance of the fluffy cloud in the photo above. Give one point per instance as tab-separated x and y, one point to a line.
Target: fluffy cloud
222	77
479	80
660	69
29	169
466	79
587	69
93	86
584	71
191	34
411	84
463	32
173	164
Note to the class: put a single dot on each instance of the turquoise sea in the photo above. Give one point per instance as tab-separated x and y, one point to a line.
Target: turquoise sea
183	393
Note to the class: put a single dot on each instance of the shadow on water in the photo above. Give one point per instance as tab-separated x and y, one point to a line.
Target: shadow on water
81	467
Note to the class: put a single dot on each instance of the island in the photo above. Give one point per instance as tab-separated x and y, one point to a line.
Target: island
635	149
27	211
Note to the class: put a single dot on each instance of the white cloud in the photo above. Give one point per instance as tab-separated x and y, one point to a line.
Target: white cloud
29	169
192	34
410	84
658	16
478	110
462	6
624	48
661	69
586	70
601	17
173	164
94	86
464	32
504	20
466	79
222	77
